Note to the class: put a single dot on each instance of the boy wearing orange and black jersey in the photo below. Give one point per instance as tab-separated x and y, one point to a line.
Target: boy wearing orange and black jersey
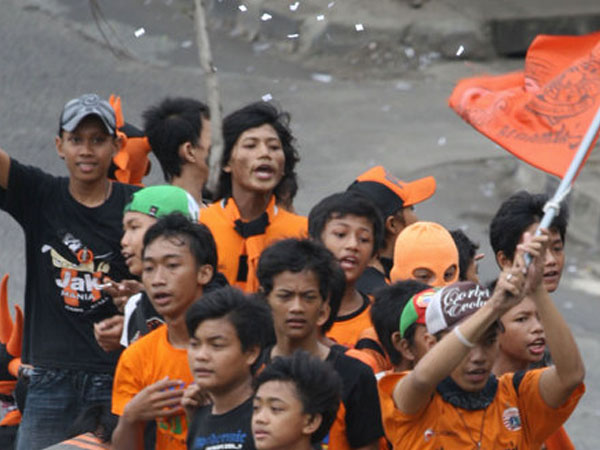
296	281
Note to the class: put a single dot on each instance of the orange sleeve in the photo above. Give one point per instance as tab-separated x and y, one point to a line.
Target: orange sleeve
559	441
127	381
539	419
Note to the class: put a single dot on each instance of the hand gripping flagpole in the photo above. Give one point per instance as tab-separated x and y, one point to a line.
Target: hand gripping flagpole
552	206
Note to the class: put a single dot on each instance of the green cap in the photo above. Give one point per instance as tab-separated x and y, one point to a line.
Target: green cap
159	201
414	311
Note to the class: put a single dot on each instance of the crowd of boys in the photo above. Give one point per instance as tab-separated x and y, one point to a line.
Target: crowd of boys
166	317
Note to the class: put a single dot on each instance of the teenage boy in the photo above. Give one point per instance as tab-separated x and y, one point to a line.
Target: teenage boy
396	202
71	230
179	258
349	226
179	133
452	389
296	279
228	331
296	401
522	340
146	206
387	312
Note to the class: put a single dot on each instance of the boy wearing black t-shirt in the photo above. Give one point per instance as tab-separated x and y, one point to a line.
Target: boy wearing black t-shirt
72	228
296	279
227	333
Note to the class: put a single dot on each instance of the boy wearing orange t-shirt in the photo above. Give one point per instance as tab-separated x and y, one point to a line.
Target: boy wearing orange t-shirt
350	226
179	258
452	400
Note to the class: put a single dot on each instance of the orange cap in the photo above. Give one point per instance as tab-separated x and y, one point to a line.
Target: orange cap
424	245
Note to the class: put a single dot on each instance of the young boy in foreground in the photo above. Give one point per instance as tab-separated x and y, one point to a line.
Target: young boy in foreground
228	331
349	226
296	402
179	258
72	227
451	387
296	279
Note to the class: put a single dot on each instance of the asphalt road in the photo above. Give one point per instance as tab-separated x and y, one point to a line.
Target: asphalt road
52	51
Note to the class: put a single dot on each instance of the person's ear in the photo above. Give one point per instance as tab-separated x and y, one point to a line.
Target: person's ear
205	274
252	355
503	260
58	143
186	152
430	340
403	346
312	422
324	313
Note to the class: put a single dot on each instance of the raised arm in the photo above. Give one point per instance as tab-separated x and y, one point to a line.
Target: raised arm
4	168
413	392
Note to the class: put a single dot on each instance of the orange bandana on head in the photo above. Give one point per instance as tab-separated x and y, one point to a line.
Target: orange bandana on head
425	245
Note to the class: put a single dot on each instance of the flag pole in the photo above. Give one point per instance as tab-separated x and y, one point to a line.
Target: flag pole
552	207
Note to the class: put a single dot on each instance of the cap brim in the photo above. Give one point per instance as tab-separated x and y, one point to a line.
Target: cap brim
419	190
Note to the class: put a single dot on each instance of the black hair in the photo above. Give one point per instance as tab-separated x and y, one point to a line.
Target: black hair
466	252
174	121
249	316
250	116
518	213
96	419
296	255
318	385
196	236
386	311
343	204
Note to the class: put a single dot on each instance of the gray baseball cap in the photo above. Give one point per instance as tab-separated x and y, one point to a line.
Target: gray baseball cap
78	108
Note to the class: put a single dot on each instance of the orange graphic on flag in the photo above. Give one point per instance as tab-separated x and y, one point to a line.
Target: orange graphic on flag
542	113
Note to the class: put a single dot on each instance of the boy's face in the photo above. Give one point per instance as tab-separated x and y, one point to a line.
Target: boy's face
135	225
420	345
297	306
87	150
474	370
350	239
523	339
278	420
171	276
554	260
215	355
257	160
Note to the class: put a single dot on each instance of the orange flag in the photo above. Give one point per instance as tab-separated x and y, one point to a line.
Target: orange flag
540	114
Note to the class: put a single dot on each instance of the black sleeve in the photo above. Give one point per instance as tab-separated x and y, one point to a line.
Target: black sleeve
26	185
363	413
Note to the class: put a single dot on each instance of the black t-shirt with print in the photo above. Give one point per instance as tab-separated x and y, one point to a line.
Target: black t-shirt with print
231	430
69	249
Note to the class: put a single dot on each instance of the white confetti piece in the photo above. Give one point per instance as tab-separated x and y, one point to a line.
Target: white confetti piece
409	52
293	36
322	77
186	44
460	50
403	86
320	17
267	98
386	108
265	17
243	8
294	6
359	27
330	5
139	32
442	141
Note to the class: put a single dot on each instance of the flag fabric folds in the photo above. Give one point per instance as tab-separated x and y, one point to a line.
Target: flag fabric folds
539	114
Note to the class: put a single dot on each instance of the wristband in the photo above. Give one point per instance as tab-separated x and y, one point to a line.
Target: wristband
463	340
